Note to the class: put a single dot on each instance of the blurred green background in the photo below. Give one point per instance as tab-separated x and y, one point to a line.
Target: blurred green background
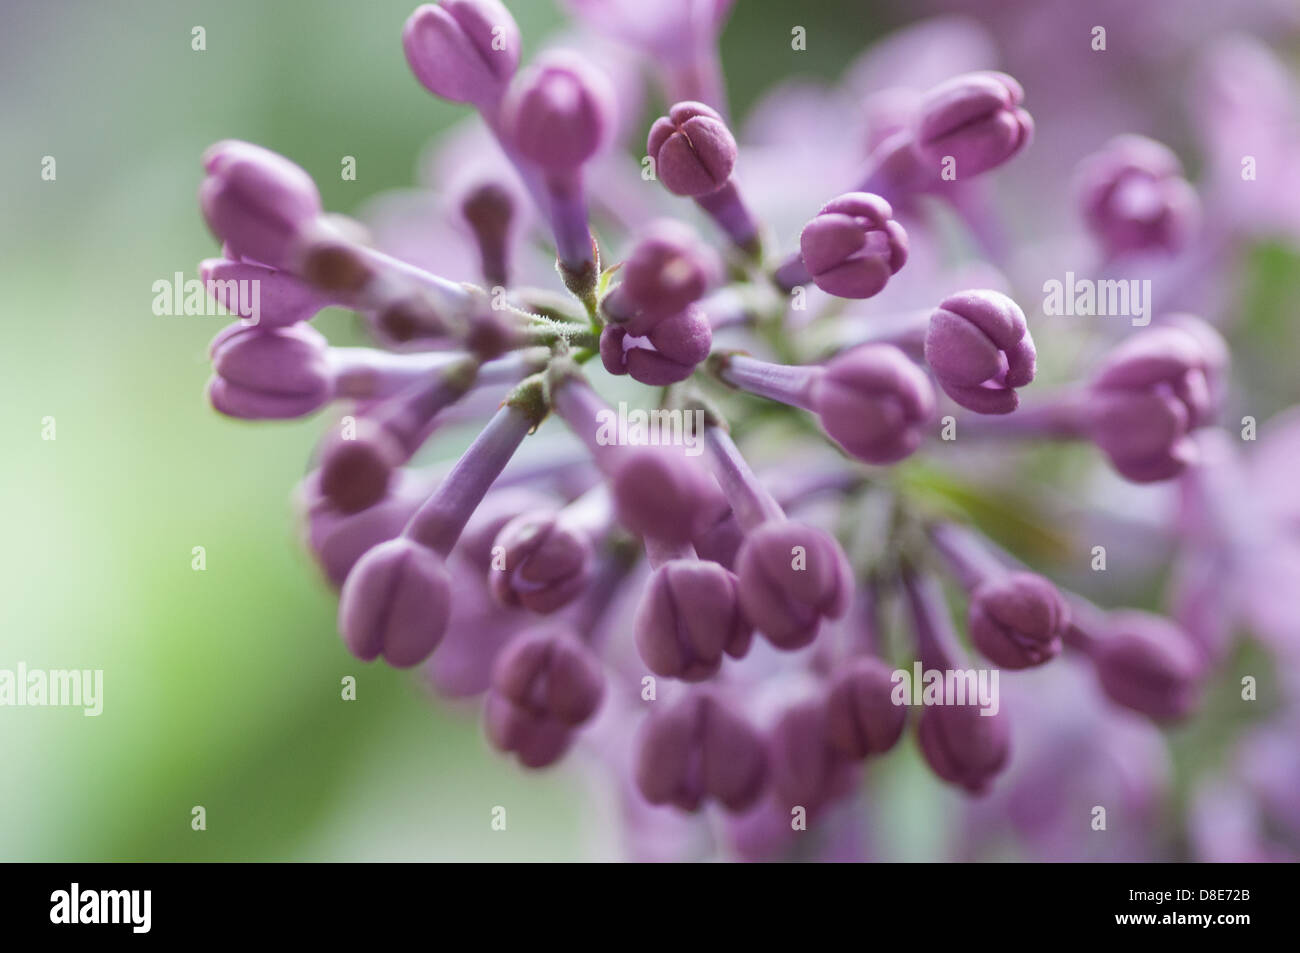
222	687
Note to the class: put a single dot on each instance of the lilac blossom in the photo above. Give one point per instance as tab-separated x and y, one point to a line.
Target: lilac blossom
722	638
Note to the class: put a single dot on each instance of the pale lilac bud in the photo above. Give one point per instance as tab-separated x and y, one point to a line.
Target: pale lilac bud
395	603
465	51
270	374
281	299
559	112
257	202
791	577
1146	398
669	352
979	348
861	717
1135	199
1148	664
688	617
874	403
546	563
697	749
668	270
1017	620
693	149
975	118
853	246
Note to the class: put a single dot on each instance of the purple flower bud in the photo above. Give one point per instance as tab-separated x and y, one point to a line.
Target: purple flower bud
536	741
1148	664
1146	398
803	768
963	746
874	403
559	113
257	202
1017	620
270	374
395	603
1135	199
465	51
490	211
688	617
853	246
549	673
979	348
661	492
668	353
281	299
668	270
355	472
547	563
339	538
861	717
791	577
975	118
693	149
700	748
497	510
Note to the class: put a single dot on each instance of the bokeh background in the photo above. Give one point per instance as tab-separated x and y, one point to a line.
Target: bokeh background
222	686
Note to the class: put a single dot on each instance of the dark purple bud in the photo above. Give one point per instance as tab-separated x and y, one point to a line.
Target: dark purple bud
693	149
395	603
668	270
853	246
1148	664
546	563
498	509
979	348
1135	199
803	768
1017	620
668	353
874	403
257	202
270	374
490	211
697	749
964	746
861	717
1146	398
975	118
688	617
559	112
464	51
549	673
791	577
661	492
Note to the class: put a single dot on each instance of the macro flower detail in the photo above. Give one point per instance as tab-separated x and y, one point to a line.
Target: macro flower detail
980	349
668	489
975	118
853	245
1135	199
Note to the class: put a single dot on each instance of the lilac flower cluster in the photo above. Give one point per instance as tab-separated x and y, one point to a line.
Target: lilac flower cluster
716	629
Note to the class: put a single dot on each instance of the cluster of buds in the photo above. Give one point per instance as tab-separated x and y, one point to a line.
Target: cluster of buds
520	572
